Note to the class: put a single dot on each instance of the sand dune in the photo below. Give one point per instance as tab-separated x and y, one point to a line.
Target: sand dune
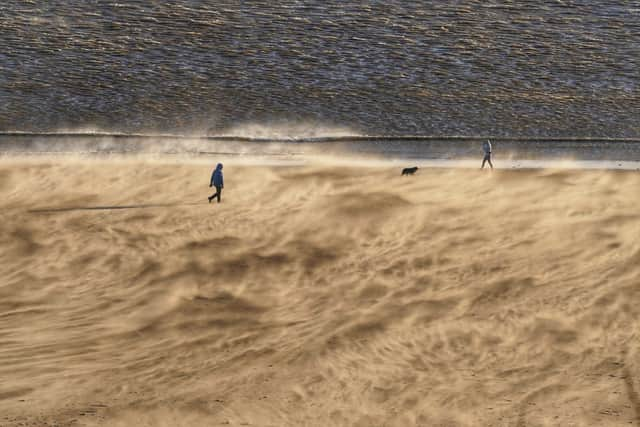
317	295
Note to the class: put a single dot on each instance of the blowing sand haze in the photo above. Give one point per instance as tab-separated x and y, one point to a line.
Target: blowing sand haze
317	296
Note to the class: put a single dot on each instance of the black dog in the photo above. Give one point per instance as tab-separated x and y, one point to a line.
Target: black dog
409	171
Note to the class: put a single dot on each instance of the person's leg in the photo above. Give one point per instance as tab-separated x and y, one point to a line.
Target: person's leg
490	164
214	195
219	193
483	162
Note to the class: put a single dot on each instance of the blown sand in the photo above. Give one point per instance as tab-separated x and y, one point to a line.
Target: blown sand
317	295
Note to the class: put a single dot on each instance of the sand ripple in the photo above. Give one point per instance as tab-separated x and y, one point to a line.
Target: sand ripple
317	296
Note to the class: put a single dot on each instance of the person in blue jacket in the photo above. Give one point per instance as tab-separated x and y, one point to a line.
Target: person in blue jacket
486	147
218	182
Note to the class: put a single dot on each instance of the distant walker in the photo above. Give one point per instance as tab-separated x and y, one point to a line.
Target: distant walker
218	182
409	171
486	147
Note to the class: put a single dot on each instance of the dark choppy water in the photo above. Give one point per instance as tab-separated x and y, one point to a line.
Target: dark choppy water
534	68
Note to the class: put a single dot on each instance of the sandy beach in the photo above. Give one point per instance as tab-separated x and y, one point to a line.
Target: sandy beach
317	295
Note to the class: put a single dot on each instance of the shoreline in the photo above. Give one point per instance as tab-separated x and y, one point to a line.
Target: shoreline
301	160
533	153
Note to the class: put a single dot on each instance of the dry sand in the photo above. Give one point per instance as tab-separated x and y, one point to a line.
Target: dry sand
317	295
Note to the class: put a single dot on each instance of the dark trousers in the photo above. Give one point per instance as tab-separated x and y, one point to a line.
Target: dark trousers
487	158
217	194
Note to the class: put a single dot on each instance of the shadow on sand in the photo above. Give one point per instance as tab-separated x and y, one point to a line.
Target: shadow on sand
110	208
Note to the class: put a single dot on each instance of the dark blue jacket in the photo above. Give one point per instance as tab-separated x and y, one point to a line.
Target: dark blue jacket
216	177
486	147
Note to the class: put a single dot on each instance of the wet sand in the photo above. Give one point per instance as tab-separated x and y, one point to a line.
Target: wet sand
317	295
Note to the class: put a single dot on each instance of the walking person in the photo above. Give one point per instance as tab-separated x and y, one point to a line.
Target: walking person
218	182
486	147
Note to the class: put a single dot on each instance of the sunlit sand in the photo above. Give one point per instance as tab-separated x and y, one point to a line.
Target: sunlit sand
321	294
